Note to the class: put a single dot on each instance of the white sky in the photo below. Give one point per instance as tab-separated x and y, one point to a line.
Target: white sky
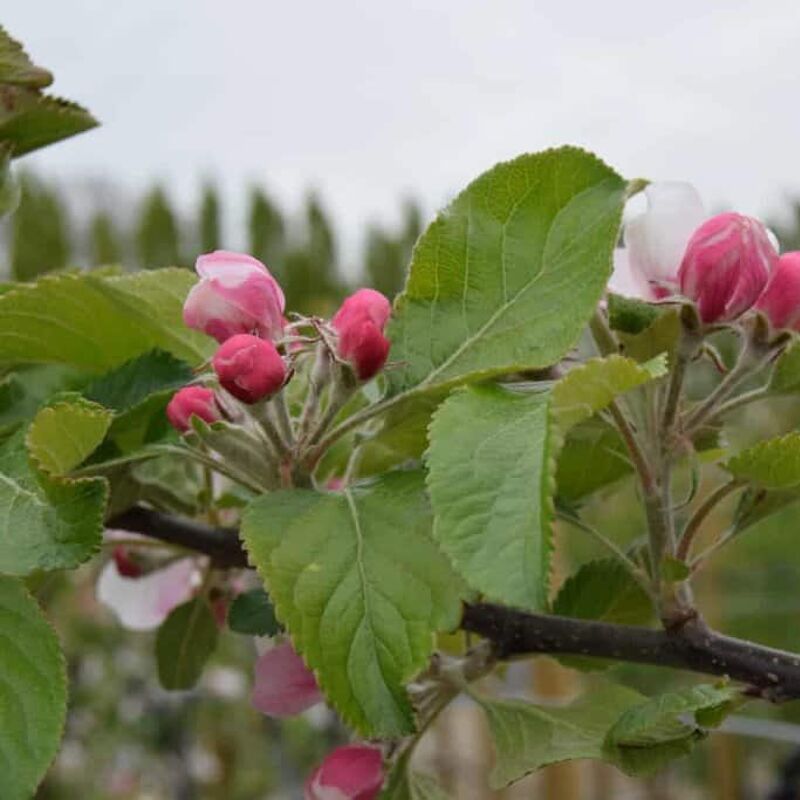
368	101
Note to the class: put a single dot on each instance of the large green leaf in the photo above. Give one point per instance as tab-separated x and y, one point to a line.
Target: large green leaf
33	692
361	588
771	464
63	436
184	643
48	522
527	737
98	323
508	274
490	481
491	467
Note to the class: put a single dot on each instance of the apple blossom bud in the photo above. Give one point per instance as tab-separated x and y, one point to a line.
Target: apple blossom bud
249	368
236	294
363	303
780	301
284	685
360	323
352	772
126	566
192	401
656	239
726	266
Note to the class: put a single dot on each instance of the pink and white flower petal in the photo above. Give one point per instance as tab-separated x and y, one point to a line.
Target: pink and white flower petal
656	239
352	772
284	686
142	604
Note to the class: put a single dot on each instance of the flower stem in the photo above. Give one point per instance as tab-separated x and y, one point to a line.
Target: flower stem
699	516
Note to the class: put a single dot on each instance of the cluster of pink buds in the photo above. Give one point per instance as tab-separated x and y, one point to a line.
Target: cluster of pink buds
240	304
727	264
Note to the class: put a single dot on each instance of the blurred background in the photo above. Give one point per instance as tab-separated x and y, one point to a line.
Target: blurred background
321	138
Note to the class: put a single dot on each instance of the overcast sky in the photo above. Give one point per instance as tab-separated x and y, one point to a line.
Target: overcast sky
368	101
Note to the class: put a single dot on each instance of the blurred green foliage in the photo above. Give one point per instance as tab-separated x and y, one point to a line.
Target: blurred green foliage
302	250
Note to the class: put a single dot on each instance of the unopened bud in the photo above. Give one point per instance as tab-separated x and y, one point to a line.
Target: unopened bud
249	368
192	401
726	266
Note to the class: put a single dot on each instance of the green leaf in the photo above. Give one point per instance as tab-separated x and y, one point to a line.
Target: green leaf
134	381
648	735
658	719
785	377
527	737
593	456
491	466
17	68
184	643
508	274
628	315
772	464
98	323
48	522
64	435
360	586
490	476
592	386
33	692
252	613
30	120
604	590
407	785
662	336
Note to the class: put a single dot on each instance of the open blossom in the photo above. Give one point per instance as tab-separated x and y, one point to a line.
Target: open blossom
284	685
192	401
360	323
143	603
249	368
352	772
726	266
655	241
780	301
236	294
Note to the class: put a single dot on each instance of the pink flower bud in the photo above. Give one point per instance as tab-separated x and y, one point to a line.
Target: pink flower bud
352	772
781	299
360	323
726	265
284	686
249	368
236	294
363	303
192	401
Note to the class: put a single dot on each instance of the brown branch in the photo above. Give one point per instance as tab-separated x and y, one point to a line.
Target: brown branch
693	646
222	545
